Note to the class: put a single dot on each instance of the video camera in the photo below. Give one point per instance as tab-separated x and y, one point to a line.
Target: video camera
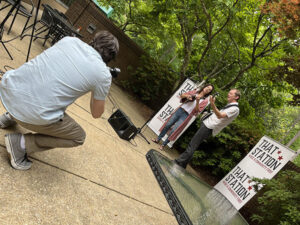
114	72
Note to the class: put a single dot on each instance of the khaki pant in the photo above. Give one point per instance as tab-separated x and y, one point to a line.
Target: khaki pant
65	133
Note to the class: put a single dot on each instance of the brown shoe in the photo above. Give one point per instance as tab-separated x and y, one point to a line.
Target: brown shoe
155	140
161	147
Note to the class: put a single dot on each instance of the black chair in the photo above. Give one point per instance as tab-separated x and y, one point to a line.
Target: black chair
1	35
21	10
62	25
56	31
46	20
55	22
47	25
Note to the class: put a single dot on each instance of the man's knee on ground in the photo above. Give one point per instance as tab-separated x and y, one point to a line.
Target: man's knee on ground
81	140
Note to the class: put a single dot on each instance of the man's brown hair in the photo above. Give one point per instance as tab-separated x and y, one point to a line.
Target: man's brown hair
106	44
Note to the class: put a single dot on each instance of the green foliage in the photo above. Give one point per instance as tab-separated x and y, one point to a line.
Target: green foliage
282	124
288	71
177	34
279	201
221	153
153	82
297	160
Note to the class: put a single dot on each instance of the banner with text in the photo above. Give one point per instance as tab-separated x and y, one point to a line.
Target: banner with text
164	113
265	160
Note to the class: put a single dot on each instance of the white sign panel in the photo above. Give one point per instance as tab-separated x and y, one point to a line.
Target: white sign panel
164	113
265	160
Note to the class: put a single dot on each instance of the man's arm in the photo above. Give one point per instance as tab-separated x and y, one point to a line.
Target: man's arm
97	107
219	114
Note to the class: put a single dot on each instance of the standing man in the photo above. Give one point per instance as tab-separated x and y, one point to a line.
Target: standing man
37	94
212	124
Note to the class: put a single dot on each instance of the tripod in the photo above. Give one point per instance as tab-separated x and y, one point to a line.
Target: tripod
139	131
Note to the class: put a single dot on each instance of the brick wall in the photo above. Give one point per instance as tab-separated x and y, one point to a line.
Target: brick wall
52	3
82	13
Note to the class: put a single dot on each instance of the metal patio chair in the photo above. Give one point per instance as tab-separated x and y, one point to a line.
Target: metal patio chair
1	35
20	10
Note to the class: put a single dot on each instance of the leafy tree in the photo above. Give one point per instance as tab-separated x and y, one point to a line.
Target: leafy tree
196	18
288	71
286	15
227	43
279	203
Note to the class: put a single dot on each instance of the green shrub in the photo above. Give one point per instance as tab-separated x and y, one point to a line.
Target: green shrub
152	82
221	153
279	202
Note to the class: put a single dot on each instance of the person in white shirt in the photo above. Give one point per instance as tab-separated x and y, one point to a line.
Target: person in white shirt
37	94
212	125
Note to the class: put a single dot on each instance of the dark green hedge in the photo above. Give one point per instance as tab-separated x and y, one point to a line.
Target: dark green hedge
152	82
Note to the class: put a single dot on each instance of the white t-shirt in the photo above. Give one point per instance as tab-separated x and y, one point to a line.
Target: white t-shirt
216	124
40	90
189	106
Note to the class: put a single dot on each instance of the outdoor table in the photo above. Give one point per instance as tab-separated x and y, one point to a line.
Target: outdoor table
62	25
59	18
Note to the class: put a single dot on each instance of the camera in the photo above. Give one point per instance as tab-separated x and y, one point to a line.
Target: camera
114	72
216	94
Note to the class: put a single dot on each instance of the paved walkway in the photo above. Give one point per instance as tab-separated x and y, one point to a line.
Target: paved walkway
105	181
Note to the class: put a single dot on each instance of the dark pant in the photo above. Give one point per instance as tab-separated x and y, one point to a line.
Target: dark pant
176	119
202	134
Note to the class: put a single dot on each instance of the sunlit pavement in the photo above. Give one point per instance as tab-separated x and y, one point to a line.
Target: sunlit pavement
105	181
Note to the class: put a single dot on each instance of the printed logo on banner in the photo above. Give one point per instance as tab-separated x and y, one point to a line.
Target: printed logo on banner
265	160
165	113
187	87
239	184
267	155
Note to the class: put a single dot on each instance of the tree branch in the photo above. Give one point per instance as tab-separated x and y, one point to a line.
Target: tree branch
240	74
237	48
218	63
270	50
255	36
222	69
210	35
264	34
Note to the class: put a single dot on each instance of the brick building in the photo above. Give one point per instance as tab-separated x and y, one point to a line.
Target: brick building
87	15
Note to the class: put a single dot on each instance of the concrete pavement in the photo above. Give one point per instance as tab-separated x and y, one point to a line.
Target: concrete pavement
105	181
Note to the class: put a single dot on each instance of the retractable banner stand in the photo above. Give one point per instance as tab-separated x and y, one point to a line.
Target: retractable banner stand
164	113
265	160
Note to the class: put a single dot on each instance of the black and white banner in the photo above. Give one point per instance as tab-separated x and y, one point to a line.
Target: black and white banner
164	113
265	160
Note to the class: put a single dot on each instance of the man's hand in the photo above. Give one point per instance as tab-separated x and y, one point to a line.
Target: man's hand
212	100
219	114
